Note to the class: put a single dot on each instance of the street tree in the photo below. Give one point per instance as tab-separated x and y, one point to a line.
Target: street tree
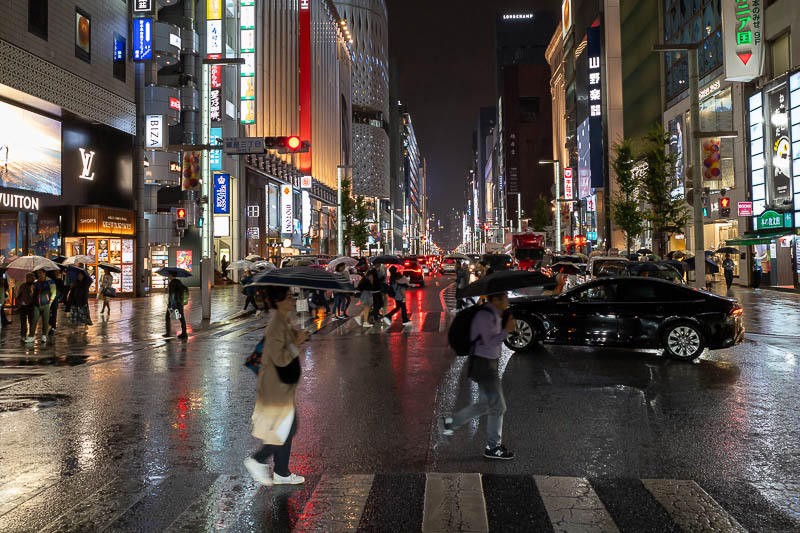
625	206
668	213
354	217
542	215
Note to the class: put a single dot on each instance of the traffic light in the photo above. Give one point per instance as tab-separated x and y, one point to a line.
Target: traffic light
724	207
567	240
287	145
180	218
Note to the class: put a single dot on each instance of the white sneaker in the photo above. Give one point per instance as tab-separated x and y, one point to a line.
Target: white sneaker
367	325
29	340
388	321
258	313
407	322
258	471
358	320
44	339
291	479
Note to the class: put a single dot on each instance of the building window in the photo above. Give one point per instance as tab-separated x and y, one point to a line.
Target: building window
780	52
37	18
120	64
83	35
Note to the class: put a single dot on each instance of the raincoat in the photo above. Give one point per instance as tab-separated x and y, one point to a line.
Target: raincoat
274	410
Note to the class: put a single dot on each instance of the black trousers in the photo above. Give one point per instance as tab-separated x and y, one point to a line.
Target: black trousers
377	305
54	313
399	306
729	278
183	322
3	318
26	321
757	278
251	299
281	453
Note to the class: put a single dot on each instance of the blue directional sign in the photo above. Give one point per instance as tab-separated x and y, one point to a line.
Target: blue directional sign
142	39
215	156
222	201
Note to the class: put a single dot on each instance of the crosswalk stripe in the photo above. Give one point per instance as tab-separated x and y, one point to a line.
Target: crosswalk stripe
573	505
692	508
219	506
454	502
337	504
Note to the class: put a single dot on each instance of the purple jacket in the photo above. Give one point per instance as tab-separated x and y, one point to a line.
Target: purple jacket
487	332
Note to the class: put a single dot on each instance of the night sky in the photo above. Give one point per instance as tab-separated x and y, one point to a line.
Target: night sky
444	55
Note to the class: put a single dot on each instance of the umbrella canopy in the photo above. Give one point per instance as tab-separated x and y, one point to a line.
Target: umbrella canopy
507	280
728	250
680	266
675	254
348	262
644	251
253	257
241	264
59	259
596	253
565	267
711	266
304	278
31	263
386	260
109	267
645	266
263	265
78	259
72	273
179	272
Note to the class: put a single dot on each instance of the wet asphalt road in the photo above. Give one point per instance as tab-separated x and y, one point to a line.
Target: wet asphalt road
118	429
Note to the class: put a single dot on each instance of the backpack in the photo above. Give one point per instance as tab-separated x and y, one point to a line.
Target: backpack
458	336
390	291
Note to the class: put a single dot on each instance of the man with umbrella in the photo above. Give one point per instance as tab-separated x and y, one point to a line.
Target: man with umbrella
177	291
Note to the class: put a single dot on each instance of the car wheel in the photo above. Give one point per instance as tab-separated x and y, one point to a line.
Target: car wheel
683	341
525	337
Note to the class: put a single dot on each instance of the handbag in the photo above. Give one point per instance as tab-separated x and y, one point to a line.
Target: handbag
175	314
110	292
289	374
253	361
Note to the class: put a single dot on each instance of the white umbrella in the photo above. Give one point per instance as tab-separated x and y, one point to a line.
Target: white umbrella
31	263
242	264
254	257
264	266
78	259
348	262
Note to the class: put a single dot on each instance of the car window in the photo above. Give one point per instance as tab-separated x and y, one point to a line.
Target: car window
637	291
596	293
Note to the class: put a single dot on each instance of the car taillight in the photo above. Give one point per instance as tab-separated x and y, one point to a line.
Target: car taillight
736	310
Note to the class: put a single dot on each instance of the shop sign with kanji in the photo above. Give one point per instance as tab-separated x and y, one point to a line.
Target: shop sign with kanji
742	39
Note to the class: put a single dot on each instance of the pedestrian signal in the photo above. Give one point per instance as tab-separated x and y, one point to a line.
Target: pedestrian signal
180	218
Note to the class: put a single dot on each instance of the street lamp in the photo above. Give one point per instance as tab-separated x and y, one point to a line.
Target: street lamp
557	170
694	143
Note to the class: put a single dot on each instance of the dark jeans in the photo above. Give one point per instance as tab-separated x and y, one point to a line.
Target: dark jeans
3	318
399	306
250	299
26	321
54	313
340	303
183	322
281	452
377	305
756	278
729	278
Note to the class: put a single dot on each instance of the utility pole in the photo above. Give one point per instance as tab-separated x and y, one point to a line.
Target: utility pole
557	170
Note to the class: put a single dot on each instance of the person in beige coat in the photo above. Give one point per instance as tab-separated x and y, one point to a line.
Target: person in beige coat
274	418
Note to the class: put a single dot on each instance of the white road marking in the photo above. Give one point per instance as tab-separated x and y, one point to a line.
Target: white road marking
573	505
454	502
337	504
692	508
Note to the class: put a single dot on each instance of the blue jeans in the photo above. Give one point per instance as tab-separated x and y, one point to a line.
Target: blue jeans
340	303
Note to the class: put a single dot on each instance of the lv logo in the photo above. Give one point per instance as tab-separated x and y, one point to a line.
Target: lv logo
87	158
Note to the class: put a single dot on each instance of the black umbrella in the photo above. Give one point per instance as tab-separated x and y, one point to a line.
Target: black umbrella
303	277
72	273
728	250
59	259
507	280
565	267
711	266
179	272
676	253
644	251
680	266
645	266
387	260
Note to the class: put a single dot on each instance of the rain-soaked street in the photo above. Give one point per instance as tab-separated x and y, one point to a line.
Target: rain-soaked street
118	429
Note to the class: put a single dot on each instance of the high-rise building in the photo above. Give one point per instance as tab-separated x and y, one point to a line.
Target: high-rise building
367	20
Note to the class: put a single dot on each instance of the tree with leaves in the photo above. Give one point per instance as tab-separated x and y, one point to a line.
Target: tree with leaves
625	206
542	214
354	217
668	213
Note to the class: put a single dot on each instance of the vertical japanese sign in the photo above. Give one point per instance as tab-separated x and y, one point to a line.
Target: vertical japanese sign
214	37
568	183
780	150
742	39
215	156
222	194
142	39
247	38
595	86
213	9
304	82
287	210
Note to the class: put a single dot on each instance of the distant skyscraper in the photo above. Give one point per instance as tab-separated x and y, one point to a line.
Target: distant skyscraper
367	21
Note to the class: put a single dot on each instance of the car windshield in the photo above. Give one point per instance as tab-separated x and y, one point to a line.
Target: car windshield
594	293
610	266
529	254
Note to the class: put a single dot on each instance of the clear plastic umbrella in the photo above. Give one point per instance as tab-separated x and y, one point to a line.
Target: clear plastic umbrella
241	264
30	263
78	259
348	262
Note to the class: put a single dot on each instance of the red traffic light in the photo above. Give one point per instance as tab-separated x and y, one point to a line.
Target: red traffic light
724	202
566	239
293	142
181	213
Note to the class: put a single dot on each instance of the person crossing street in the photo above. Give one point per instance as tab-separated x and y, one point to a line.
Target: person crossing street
487	333
177	291
399	284
25	303
44	293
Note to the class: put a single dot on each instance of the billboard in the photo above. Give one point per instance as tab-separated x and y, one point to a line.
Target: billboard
142	39
222	200
30	151
287	210
742	43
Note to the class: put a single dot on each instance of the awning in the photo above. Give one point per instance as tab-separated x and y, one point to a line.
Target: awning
748	239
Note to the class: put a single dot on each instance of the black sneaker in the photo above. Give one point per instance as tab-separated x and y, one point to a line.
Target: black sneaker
447	426
498	452
183	336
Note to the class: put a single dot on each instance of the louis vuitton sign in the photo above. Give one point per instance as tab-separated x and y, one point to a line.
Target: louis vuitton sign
104	221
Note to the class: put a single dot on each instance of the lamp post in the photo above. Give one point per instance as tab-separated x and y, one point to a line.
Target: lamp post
557	171
207	261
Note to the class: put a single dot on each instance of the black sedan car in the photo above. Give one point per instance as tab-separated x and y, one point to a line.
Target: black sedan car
413	271
630	312
498	262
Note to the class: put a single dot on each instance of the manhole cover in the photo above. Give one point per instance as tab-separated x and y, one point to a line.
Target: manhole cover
11	403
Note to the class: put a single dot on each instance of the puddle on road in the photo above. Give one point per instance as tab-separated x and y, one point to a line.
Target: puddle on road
19	402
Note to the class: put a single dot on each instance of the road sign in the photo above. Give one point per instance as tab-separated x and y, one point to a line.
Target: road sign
243	145
745	209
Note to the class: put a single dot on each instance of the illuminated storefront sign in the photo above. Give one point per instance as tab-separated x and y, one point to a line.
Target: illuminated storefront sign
745	209
87	158
215	156
287	210
306	205
594	86
247	40
306	182
215	104
742	43
141	6
772	220
142	39
222	185
175	103
100	220
154	137
518	16
568	183
214	37
213	9
19	201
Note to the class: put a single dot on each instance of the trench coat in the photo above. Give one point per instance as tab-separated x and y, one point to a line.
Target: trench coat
274	410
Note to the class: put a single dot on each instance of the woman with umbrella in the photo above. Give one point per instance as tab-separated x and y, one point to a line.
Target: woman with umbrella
341	301
78	298
176	298
274	416
106	289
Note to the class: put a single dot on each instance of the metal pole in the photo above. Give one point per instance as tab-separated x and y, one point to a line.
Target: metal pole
207	262
697	207
339	229
557	168
519	212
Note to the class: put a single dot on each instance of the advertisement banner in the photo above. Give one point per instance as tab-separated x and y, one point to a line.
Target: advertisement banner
594	53
142	39
183	259
306	205
745	209
222	186
215	156
287	210
779	152
742	43
711	160
154	132
30	150
191	171
215	105
214	37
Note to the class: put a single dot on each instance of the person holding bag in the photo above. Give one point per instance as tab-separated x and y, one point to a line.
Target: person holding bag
106	290
274	416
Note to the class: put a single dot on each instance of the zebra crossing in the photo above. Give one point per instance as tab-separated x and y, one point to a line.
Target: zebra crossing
421	322
191	501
